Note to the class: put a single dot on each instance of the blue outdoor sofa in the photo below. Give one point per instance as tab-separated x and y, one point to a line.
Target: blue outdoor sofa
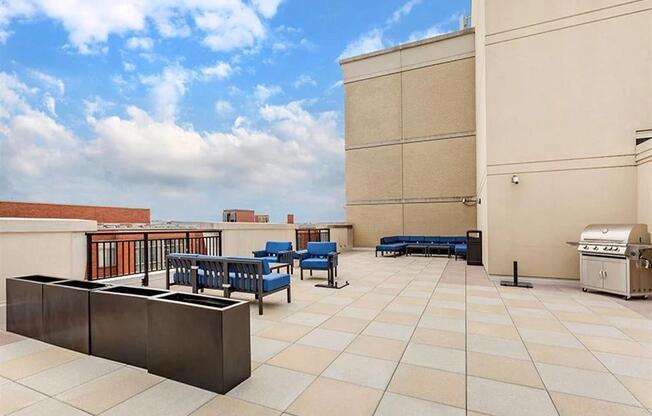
397	245
277	252
210	272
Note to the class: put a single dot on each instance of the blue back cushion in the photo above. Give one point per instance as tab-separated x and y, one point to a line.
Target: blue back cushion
321	249
265	262
276	246
390	240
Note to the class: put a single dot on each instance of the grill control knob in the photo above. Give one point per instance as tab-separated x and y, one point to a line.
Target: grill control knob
595	247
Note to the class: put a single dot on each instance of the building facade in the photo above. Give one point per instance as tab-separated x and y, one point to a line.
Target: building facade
103	215
238	215
560	93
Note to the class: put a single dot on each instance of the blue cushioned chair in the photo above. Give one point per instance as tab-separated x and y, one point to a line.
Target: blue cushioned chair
321	256
277	252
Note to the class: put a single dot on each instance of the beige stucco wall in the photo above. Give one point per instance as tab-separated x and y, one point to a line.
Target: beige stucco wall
644	183
410	139
241	238
53	247
567	85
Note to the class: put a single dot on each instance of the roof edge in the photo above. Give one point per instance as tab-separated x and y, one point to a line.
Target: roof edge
407	45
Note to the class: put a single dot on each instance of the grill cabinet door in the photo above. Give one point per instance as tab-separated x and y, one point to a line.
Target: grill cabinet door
616	275
592	272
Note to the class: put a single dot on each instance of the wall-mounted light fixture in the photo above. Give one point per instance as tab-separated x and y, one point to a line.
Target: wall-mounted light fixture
515	179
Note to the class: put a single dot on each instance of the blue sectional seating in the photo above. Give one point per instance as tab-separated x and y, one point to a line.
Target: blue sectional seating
397	244
242	272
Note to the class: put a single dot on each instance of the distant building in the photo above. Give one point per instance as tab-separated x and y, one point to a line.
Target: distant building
261	218
103	215
239	215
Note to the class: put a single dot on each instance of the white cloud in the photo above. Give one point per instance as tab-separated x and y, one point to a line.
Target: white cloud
224	108
223	24
236	26
401	12
144	43
437	29
303	80
374	39
367	42
49	81
167	89
336	84
128	66
50	104
267	8
140	160
262	93
220	70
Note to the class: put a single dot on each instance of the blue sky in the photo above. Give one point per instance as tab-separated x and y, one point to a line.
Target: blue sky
189	107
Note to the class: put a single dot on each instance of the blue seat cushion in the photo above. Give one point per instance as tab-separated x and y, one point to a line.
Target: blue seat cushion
273	247
321	248
391	247
315	263
460	248
271	281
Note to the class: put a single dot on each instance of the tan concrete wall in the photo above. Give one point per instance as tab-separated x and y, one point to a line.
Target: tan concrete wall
439	99
440	218
374	174
373	110
567	85
410	145
53	247
439	168
371	222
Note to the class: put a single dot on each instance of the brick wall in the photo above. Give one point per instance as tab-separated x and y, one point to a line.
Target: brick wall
103	215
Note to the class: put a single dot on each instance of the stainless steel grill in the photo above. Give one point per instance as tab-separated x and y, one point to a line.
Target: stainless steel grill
615	258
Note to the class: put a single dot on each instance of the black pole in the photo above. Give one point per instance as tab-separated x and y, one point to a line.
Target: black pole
515	282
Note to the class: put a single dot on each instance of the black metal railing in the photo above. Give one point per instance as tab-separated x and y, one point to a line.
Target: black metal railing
305	235
123	253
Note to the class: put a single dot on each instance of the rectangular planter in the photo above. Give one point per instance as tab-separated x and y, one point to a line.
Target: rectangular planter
66	313
199	340
119	323
25	304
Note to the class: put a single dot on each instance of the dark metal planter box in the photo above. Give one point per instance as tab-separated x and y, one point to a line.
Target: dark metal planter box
199	340
25	304
66	313
119	323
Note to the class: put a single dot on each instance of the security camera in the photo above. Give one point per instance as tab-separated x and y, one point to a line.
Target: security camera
515	179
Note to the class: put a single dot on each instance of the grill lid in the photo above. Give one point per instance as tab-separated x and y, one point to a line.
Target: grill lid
616	234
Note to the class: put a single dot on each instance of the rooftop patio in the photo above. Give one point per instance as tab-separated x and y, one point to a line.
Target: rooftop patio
409	336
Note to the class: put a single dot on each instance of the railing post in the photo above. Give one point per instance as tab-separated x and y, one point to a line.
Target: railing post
193	275
145	281
187	242
219	247
89	256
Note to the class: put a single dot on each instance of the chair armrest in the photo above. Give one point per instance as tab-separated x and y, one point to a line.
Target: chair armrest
302	254
332	258
285	256
259	253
